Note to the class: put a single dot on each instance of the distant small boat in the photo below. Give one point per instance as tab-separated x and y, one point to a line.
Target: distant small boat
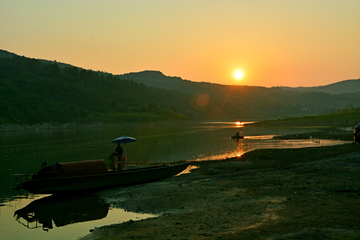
90	175
237	137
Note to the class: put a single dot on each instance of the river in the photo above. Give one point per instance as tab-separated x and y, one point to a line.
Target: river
47	217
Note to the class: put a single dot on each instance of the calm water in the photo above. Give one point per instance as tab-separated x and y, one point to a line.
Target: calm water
47	217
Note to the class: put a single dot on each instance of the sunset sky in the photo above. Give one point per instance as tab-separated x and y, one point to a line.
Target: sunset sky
273	42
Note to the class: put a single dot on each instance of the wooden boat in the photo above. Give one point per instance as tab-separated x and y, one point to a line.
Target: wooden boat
91	175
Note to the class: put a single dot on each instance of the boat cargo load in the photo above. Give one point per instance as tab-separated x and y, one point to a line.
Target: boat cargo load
90	167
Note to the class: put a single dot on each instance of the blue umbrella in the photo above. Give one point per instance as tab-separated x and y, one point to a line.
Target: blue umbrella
124	139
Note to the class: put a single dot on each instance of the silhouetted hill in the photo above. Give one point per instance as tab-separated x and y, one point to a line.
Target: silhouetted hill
6	54
346	86
34	91
158	79
153	79
258	102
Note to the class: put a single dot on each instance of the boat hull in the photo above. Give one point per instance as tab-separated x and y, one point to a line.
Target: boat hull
99	181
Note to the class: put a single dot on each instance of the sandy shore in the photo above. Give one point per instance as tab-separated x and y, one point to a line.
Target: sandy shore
310	193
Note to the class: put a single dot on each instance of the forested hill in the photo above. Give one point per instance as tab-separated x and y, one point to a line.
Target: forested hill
33	91
36	91
346	86
261	102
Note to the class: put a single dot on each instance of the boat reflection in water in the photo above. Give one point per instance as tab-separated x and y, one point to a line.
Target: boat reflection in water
61	210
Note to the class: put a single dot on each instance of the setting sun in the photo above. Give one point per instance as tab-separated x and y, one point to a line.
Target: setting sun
239	74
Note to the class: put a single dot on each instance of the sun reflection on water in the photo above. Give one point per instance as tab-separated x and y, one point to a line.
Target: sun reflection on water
250	143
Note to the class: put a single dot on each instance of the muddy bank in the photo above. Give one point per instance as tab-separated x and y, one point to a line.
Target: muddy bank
338	133
310	193
263	195
321	128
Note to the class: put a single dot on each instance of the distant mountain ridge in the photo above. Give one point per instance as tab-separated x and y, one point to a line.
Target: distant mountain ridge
346	86
153	79
6	54
159	80
33	90
260	101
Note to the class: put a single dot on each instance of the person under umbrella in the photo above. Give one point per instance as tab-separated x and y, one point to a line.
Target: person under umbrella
124	139
119	153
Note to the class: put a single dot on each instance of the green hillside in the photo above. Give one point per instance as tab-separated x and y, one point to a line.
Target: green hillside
39	91
33	91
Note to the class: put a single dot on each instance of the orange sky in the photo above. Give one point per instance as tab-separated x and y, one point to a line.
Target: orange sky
274	42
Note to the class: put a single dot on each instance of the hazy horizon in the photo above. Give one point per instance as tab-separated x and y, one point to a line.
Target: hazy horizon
272	42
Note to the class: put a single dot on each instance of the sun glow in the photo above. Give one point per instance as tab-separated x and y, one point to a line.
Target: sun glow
239	74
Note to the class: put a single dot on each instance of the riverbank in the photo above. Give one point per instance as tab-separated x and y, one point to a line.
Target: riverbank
75	125
46	126
310	193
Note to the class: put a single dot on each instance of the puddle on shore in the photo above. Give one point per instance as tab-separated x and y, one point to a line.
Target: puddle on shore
42	217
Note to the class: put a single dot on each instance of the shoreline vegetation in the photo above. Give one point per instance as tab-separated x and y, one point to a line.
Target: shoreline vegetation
337	120
75	125
45	126
305	193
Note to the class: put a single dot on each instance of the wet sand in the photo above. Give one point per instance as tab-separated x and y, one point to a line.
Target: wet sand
309	193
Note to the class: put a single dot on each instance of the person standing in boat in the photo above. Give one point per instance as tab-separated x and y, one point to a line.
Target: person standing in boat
119	154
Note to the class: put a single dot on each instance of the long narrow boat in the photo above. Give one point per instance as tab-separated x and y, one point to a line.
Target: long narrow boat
91	175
